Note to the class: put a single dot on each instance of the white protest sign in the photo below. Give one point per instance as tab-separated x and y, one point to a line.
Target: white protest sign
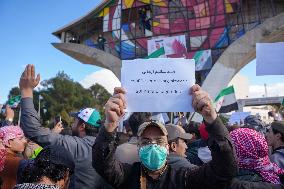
158	85
270	58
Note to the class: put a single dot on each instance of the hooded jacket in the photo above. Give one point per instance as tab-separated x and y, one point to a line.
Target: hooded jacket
277	157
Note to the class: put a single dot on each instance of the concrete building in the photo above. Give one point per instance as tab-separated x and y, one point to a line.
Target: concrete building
241	86
222	32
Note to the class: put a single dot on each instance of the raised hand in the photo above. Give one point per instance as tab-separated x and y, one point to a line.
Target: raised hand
9	113
114	109
202	103
28	81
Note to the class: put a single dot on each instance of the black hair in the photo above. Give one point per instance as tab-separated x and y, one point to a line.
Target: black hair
43	167
136	119
282	134
89	129
193	128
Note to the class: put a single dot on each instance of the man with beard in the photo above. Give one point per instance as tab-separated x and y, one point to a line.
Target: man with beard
80	145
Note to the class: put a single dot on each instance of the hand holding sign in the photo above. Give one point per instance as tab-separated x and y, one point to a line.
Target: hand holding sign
202	103
114	109
115	106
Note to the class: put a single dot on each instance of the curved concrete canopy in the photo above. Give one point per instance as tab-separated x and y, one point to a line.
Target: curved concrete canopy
89	55
241	52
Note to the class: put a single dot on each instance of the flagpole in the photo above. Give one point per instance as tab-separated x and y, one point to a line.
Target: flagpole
20	112
190	117
38	106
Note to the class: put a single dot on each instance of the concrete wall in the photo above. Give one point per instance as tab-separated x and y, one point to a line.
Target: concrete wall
241	52
241	86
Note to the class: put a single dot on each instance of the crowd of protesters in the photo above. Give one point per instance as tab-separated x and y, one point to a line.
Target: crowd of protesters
156	155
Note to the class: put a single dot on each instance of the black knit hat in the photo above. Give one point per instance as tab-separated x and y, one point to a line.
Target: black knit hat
58	155
278	126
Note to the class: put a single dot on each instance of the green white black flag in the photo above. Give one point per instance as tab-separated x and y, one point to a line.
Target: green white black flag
226	100
14	101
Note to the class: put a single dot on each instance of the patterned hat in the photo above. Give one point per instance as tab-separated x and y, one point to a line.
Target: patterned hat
10	132
88	115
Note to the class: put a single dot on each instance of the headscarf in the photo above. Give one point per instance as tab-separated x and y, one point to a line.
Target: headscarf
10	132
252	152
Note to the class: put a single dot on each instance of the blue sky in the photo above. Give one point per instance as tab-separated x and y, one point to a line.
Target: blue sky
26	27
26	38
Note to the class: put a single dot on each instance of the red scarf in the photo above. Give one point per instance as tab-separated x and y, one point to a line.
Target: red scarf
252	152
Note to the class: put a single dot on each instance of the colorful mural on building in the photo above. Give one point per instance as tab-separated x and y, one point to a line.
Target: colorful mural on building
128	25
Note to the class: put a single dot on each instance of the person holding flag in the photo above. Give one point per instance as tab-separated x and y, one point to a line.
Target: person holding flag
9	116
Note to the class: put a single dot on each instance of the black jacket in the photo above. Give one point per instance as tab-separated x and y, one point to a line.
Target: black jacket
216	174
238	184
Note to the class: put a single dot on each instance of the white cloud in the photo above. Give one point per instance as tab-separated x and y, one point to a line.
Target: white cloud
39	87
276	89
103	77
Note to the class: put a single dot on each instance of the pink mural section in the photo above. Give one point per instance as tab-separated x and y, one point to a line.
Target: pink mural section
203	22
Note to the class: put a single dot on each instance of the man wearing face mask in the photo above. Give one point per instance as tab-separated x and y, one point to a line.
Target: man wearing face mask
153	170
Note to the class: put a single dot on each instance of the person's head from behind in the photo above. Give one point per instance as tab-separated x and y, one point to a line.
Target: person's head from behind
136	119
54	165
87	122
152	145
13	139
275	135
252	153
193	129
177	138
271	113
253	122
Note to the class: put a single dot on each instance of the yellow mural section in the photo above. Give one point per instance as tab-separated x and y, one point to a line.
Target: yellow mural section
128	3
104	12
160	3
229	8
